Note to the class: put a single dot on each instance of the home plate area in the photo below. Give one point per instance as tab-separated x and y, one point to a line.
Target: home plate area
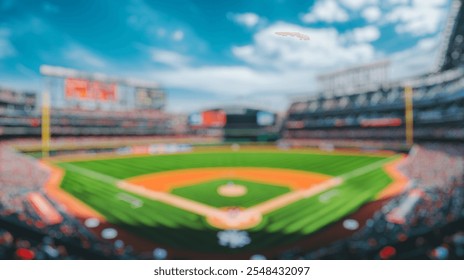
235	218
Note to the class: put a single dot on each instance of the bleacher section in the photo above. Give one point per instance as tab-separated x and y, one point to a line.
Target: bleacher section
379	115
32	226
20	116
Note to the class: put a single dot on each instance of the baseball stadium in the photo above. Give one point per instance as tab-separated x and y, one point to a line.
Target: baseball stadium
98	165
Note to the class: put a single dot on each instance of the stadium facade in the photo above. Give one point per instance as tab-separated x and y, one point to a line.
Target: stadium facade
377	115
84	104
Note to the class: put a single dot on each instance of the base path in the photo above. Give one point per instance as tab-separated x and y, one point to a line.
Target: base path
165	181
289	198
286	199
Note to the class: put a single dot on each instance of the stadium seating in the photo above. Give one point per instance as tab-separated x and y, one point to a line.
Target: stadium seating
438	110
19	170
35	235
20	116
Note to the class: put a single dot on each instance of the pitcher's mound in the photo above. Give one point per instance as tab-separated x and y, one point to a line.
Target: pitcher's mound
232	190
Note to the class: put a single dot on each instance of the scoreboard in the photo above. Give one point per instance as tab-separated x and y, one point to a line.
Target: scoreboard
237	123
232	117
89	90
208	119
146	98
70	88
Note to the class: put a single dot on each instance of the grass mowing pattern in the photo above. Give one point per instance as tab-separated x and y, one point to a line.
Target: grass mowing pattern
329	164
180	229
207	193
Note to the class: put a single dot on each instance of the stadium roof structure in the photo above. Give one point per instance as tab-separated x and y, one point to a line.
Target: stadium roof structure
452	49
62	72
355	78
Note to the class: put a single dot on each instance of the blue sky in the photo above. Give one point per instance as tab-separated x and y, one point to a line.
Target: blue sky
209	53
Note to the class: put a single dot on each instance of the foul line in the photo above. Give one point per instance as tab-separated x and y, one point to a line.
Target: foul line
286	199
177	201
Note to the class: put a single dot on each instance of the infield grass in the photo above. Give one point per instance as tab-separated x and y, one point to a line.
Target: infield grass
207	193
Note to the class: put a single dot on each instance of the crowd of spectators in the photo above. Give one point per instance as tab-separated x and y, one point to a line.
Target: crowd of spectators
443	131
16	103
21	228
438	112
106	114
436	165
369	145
425	89
19	172
24	234
433	227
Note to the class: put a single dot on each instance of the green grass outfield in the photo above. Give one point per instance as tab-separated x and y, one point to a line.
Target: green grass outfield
180	229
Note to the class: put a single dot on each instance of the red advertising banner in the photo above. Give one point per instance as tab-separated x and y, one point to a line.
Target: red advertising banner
381	122
76	88
103	91
87	90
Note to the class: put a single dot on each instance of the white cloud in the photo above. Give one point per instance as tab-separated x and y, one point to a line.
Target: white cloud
153	24
84	57
6	48
364	34
396	2
178	35
371	14
326	11
274	66
420	18
215	79
326	49
247	19
417	60
228	82
357	4
169	58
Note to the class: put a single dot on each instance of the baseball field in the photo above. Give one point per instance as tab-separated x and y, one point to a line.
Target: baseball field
220	200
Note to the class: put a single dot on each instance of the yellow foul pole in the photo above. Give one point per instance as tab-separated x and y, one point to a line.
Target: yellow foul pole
45	125
409	117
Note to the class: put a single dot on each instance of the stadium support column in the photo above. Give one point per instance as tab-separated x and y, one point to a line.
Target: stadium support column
45	124
409	117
